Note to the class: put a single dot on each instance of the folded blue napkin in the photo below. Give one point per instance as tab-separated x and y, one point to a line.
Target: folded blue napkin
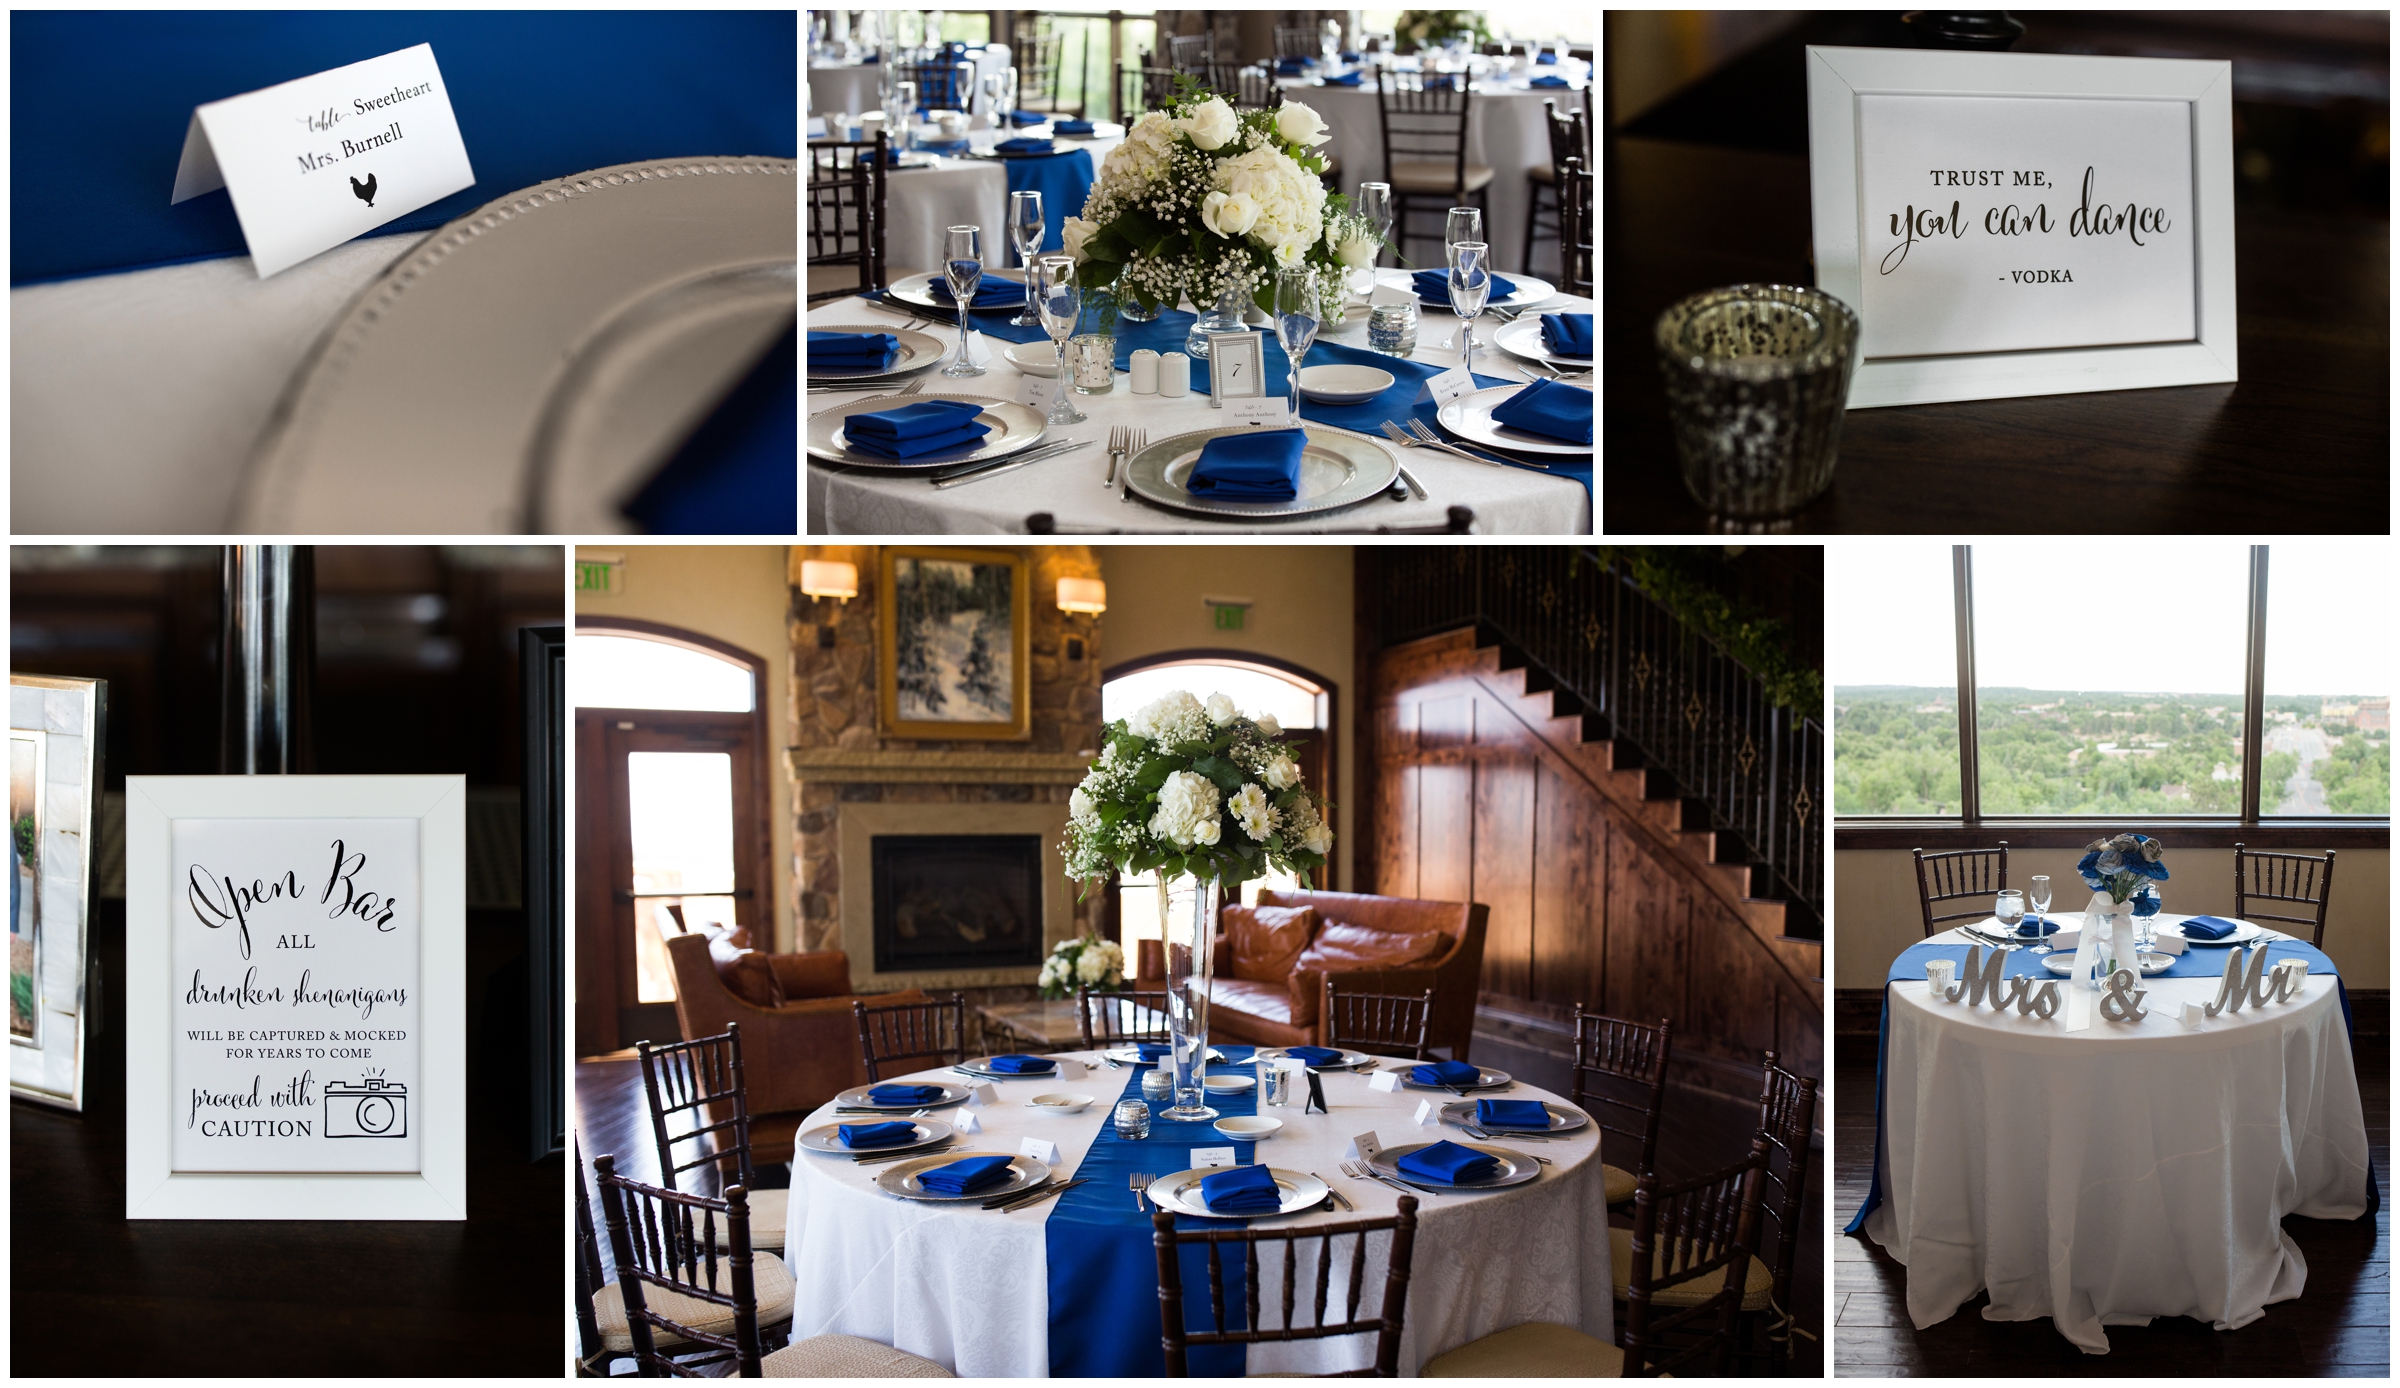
1253	465
1433	287
1447	1163
1293	67
904	1094
1024	144
1568	334
2037	925
1550	59
2209	928
960	1177
852	351
1442	82
1550	409
1314	1055
1072	127
912	431
1027	117
989	292
1353	57
1241	1190
938	146
1512	1113
876	1134
1448	1072
1549	80
1154	1051
1023	1064
1347	79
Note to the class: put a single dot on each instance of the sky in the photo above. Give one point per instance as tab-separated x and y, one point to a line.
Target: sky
2163	616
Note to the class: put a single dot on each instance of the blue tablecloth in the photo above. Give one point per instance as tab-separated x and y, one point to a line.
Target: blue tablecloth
100	101
1063	179
1104	1265
737	474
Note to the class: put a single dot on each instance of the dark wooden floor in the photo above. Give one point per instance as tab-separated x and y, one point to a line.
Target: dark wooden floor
2340	1327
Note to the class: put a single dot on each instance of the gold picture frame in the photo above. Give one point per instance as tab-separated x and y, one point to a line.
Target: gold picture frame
937	663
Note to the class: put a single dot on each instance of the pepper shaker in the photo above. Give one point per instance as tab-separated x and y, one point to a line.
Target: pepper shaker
1174	376
1144	369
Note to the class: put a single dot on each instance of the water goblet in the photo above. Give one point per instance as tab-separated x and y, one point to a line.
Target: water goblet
962	257
2040	897
1056	296
1297	318
1470	285
1025	231
2009	909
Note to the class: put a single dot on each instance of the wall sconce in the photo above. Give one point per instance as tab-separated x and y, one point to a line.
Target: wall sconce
1085	595
828	578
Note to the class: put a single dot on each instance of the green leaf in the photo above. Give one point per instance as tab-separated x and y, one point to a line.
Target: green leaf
1227	776
1154	773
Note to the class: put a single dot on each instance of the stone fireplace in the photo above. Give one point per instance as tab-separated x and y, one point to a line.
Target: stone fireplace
956	901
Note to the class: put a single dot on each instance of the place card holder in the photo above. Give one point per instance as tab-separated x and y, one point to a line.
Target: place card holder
1366	1147
982	1095
966	1122
1070	1069
1316	1094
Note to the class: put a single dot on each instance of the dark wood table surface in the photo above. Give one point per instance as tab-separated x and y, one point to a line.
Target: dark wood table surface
2300	445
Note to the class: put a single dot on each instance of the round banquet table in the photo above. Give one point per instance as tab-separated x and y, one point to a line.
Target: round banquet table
921	203
854	87
2120	1173
969	1288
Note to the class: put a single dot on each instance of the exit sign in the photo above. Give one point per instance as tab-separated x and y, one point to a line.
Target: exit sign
1229	618
600	573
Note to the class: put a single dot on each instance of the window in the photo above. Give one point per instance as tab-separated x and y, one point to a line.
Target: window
2327	747
680	805
1889	623
636	672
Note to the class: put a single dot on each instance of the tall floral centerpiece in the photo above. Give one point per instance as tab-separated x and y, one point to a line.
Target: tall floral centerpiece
1206	201
2127	870
1208	799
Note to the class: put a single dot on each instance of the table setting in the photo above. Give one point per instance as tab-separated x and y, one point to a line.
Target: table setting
962	171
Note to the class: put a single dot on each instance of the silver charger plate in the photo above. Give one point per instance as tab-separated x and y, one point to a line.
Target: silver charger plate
1470	417
1014	427
1490	1079
828	1139
900	1178
1463	1112
2248	934
1529	292
918	352
857	1097
1337	469
1522	337
917	290
1101	130
1180	1192
1351	1060
1515	1167
982	1065
2062	963
1133	1056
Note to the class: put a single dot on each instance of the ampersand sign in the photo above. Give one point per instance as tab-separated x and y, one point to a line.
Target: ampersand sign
2123	1003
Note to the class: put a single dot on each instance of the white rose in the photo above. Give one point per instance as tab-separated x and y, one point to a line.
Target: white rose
1187	810
1318	841
1079	805
1289	253
1228	214
1357	250
1076	234
1210	124
1221	710
1280	773
1091	968
1207	831
1300	125
1166	713
1253	813
1268	725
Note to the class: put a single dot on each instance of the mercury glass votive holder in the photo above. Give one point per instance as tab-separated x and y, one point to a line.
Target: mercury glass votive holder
1757	378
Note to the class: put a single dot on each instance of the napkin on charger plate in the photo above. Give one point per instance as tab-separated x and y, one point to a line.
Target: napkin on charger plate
1551	409
963	1177
913	431
852	351
1528	1114
1433	287
1449	1072
2208	927
2037	925
1241	1190
1024	144
1154	1051
1347	79
1254	465
1027	117
1072	127
1568	334
904	1094
1023	1064
875	1134
1314	1055
1547	80
1447	1163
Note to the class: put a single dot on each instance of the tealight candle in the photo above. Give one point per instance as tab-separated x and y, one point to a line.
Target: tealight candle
1757	378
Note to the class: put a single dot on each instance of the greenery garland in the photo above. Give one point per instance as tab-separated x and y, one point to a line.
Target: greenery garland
1760	643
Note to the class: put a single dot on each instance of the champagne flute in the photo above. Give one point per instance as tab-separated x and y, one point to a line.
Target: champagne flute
1025	231
1464	224
1375	204
1297	318
1060	300
2041	911
2009	909
1470	285
962	256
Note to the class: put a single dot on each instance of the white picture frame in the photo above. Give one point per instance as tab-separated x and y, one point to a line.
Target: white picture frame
1237	366
57	728
437	1189
1839	77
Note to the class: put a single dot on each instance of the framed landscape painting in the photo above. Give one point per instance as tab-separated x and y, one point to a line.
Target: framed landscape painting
953	627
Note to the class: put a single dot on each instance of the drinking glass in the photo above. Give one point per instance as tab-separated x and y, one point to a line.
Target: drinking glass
1331	43
2040	897
1297	318
962	256
1132	1119
1008	99
1025	231
2010	910
1051	283
901	116
1464	224
1375	204
991	102
1470	285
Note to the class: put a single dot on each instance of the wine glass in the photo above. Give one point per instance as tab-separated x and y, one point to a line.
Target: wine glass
962	266
1297	318
1051	283
2010	910
1330	42
1375	204
2040	897
1464	224
1470	285
1025	231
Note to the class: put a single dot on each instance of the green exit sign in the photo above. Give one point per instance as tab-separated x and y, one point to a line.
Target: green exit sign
1229	618
600	573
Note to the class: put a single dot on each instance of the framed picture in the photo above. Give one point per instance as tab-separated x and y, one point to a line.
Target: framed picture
953	629
56	728
1237	366
542	680
296	997
2024	224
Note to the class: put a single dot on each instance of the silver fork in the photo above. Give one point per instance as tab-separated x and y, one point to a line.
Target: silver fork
1406	439
1359	1171
1139	441
1139	1184
1425	432
1117	435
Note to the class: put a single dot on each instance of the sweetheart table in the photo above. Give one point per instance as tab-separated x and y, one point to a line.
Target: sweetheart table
2120	1173
1068	1286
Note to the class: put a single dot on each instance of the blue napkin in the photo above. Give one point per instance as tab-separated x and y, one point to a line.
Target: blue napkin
990	292
1293	67
2209	928
1072	127
1024	144
1253	465
904	1094
1447	1163
876	1134
1549	80
1568	334
1551	409
852	351
1449	1072
1314	1055
1442	82
939	146
1353	57
1027	117
1154	1051
1433	287
1023	1064
1547	58
911	432
1512	1113
960	1177
1347	79
2037	925
1242	1190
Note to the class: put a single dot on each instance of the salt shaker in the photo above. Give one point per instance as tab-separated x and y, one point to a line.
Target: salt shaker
1174	376
1144	368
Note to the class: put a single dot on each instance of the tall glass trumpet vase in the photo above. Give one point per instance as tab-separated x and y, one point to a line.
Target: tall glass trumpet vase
1187	926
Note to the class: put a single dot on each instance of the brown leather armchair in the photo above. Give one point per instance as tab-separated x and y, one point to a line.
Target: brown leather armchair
797	1053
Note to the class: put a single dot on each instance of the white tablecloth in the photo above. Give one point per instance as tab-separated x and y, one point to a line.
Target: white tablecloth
969	1287
2110	1176
854	87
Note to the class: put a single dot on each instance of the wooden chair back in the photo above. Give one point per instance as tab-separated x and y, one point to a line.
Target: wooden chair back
1040	73
702	1078
1120	1019
1188	52
935	1031
1385	1326
2301	879
1787	1115
1978	873
1683	1233
1570	136
596	1360
1143	88
846	219
1381	1023
1621	1081
667	1240
1298	41
942	85
1245	87
1421	124
1575	228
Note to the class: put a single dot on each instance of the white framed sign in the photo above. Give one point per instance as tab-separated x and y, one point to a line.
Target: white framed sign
1237	366
2024	224
295	997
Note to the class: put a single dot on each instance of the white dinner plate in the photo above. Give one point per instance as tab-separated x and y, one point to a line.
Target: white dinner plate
1032	358
1101	130
1344	384
1180	1192
1131	1055
917	290
1337	469
1470	417
982	1065
1522	337
857	1097
1351	1060
2063	964
918	352
2246	934
1490	1079
1515	1167
1014	428
828	1139
1562	1118
900	1178
1530	291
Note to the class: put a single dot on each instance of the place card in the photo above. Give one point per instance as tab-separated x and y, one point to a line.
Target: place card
1272	411
1384	1081
982	1095
1427	1114
1041	1149
966	1122
978	352
1205	1157
1366	1147
2168	944
1070	1068
1037	390
1390	295
1448	386
2194	1015
315	161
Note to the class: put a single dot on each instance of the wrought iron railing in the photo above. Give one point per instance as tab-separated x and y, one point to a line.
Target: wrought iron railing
1686	709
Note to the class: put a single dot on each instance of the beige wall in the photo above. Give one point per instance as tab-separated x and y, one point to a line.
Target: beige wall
1876	913
734	593
1302	614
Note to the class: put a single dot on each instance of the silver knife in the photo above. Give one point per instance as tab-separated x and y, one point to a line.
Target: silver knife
1042	454
1413	484
1037	1196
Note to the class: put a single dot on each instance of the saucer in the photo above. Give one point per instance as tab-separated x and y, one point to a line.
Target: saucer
1344	385
1248	1129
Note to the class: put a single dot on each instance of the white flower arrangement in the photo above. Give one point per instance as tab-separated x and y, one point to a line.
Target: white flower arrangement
1090	962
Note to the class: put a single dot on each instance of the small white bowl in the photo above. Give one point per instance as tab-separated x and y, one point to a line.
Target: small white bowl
1344	385
1248	1129
1228	1084
1036	358
1060	1103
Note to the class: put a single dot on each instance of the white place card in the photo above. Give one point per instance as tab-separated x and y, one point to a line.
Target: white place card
2168	944
1204	1157
313	162
965	1121
1041	1149
1384	1081
1070	1068
1427	1114
979	352
982	1095
1037	391
1365	1147
1272	411
1390	295
2194	1015
1448	386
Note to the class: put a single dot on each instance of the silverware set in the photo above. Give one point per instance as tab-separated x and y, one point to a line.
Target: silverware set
1358	1170
1017	1200
1040	453
878	1158
1135	441
1418	434
910	389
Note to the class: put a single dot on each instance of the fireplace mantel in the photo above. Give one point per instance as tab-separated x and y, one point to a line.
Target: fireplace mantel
864	764
862	822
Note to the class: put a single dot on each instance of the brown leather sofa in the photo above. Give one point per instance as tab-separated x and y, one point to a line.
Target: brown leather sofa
1271	963
799	1040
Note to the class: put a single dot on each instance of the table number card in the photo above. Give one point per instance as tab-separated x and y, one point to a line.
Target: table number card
965	1121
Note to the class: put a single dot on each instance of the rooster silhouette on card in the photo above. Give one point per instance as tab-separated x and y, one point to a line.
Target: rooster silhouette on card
365	191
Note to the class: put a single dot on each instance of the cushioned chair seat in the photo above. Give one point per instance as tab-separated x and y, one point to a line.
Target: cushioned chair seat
767	1210
1756	1289
1535	1349
1416	177
1618	1183
847	1356
1269	1002
769	1277
1543	173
